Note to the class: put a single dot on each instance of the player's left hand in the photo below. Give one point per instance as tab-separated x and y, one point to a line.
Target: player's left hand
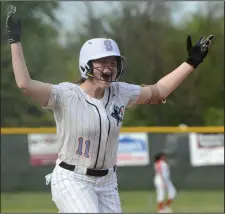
199	51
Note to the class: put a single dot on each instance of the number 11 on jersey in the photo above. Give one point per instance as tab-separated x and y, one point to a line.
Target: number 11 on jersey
80	147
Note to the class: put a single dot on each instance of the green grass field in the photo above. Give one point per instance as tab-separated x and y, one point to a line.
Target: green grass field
132	201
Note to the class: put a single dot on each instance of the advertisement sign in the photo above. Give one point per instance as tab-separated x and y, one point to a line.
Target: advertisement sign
132	149
43	149
206	149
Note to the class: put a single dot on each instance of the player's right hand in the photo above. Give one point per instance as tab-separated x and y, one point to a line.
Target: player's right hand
13	26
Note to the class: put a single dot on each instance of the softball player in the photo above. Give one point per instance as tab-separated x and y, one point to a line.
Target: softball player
163	184
89	116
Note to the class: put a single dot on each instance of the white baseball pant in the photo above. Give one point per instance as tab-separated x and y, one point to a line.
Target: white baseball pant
78	193
162	187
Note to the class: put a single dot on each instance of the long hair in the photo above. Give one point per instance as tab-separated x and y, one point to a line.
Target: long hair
80	81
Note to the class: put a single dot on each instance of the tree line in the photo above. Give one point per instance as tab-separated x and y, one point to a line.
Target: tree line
146	34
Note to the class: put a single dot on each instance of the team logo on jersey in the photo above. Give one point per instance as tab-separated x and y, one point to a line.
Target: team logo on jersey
118	114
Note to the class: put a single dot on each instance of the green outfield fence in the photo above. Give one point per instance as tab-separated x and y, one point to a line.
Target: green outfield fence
18	175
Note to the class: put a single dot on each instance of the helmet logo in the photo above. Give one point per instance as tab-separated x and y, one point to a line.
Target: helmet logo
108	45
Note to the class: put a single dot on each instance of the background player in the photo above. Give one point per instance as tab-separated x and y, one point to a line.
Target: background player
89	116
163	183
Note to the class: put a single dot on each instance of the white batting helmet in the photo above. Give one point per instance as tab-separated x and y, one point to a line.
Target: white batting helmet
98	48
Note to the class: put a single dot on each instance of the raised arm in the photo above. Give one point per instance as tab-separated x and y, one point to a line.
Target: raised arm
157	93
39	91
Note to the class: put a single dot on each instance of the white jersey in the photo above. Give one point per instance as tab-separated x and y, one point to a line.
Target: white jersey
88	128
162	170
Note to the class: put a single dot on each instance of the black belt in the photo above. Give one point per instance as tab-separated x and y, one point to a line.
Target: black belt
91	172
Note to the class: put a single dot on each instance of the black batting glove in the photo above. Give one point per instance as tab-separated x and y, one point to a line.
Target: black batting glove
199	51
13	26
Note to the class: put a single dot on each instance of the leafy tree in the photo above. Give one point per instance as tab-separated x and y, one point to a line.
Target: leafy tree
147	36
44	57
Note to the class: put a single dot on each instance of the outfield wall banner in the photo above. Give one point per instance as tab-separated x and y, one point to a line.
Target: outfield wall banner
43	149
206	149
132	149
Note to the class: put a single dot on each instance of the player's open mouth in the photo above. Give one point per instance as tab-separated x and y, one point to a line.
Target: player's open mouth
107	77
